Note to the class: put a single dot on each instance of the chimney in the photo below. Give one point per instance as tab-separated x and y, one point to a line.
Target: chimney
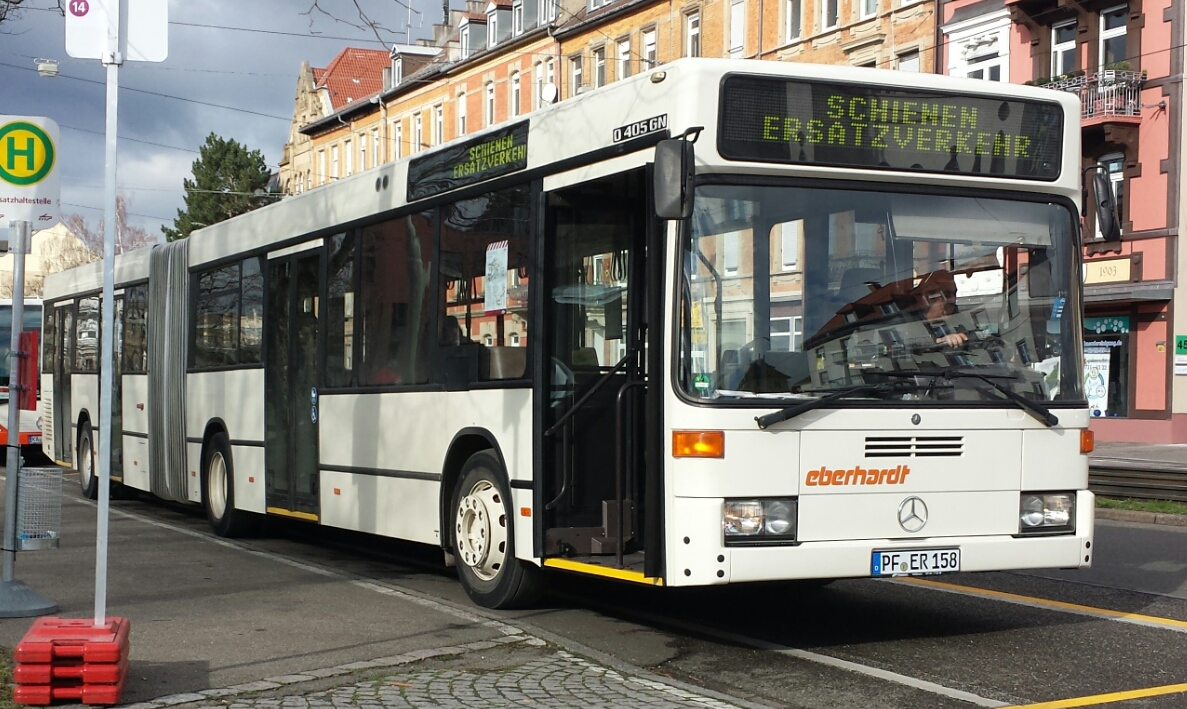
445	11
387	77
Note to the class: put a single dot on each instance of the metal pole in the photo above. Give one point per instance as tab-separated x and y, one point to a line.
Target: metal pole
18	236
112	60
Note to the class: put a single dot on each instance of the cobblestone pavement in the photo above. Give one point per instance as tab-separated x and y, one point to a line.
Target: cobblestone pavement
512	671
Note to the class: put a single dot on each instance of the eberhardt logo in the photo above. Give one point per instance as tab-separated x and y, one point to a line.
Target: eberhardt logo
858	476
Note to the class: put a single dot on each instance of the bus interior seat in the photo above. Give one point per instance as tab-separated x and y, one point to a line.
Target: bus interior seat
585	357
505	362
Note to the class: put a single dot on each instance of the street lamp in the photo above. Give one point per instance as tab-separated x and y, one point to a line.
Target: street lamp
47	67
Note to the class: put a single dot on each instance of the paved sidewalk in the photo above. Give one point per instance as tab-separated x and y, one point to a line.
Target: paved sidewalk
1140	456
512	671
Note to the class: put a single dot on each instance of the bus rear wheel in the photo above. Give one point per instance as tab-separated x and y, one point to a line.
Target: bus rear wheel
218	491
88	479
483	538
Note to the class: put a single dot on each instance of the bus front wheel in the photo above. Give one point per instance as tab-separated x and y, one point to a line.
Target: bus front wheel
218	491
483	538
87	479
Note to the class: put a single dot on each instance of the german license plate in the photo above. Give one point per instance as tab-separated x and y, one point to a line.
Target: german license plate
914	562
34	440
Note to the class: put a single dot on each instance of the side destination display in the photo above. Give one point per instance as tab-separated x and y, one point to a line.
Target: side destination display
859	125
473	161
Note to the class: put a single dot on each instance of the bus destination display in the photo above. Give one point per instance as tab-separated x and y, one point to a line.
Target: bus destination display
493	155
865	126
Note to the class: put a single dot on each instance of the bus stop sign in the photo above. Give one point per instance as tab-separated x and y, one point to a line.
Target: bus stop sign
29	187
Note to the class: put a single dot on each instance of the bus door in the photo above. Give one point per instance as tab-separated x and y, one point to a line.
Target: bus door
594	379
62	367
291	398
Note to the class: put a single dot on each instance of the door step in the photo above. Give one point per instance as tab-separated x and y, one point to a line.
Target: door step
592	541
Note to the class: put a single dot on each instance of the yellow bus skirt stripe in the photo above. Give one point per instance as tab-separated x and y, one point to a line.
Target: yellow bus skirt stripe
1111	697
289	513
1046	603
595	570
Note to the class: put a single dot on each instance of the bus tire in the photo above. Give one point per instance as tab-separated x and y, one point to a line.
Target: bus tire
88	477
218	491
483	538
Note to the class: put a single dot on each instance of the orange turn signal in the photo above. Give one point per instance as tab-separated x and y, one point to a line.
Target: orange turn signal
698	444
1087	441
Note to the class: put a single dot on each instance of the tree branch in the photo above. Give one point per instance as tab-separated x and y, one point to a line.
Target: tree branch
363	22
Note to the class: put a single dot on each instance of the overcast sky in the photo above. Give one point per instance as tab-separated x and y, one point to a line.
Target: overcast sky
252	75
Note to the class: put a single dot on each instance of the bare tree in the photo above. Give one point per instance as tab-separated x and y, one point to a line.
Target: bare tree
11	9
127	237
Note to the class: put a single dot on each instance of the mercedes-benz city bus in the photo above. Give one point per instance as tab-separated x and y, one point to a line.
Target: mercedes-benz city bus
723	321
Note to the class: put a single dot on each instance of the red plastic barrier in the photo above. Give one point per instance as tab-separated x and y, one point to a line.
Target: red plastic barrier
43	694
89	673
29	380
55	638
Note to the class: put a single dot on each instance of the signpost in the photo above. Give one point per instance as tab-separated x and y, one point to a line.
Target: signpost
29	194
112	31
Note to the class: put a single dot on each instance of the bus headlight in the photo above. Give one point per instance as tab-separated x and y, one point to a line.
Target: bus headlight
759	521
1047	513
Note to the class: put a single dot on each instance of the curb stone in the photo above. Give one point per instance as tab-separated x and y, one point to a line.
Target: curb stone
1161	518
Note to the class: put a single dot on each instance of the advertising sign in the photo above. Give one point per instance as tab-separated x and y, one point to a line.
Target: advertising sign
1096	382
29	185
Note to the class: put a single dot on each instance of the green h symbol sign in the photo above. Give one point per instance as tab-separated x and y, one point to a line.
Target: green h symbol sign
13	153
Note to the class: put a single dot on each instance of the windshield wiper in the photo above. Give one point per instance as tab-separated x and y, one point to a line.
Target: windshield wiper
1040	412
792	411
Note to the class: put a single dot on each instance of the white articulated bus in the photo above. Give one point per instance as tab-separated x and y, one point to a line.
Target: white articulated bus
724	321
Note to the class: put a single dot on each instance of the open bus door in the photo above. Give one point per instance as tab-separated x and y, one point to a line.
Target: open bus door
594	496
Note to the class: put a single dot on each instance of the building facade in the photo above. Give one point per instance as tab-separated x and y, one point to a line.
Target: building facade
1125	62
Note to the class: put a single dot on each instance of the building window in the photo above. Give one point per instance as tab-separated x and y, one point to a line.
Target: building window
909	61
731	256
787	334
321	167
692	34
599	61
334	162
1063	48
397	71
624	58
789	245
375	156
492	28
549	72
830	14
650	55
794	13
438	124
517	18
546	12
418	133
515	97
737	28
987	67
461	114
465	42
869	8
349	158
363	152
489	117
576	69
1113	46
398	132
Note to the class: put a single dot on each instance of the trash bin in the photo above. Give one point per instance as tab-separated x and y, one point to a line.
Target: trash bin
39	509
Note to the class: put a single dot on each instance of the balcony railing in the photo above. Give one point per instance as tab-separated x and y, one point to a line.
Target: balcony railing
1106	93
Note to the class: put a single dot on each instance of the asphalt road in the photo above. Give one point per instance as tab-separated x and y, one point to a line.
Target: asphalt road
211	613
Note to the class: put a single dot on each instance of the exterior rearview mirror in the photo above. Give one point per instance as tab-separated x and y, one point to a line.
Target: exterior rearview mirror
1106	207
674	160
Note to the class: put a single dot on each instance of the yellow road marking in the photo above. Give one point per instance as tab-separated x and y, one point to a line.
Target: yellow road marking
620	574
1098	699
289	513
1122	616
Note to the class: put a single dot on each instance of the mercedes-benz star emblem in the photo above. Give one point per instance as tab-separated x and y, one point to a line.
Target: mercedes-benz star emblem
912	514
915	419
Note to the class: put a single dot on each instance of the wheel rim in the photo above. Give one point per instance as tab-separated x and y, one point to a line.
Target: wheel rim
482	530
216	486
85	465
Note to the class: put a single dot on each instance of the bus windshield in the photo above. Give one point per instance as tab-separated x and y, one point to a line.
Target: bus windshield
793	293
